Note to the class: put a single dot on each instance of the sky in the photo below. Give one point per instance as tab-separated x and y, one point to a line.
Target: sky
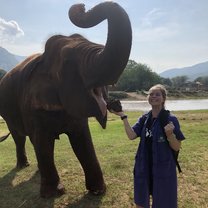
166	33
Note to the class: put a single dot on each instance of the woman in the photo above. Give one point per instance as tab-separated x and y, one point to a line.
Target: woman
155	168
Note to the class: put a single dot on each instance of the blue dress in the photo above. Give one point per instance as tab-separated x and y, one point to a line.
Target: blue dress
155	168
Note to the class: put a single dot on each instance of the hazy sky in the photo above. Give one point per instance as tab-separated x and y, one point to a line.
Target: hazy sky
166	33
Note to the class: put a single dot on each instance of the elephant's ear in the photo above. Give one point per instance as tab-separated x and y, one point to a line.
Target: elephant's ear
75	98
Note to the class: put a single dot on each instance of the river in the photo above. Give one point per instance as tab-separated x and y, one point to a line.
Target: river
172	105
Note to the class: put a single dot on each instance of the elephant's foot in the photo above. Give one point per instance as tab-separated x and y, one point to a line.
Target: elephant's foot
48	191
21	165
98	192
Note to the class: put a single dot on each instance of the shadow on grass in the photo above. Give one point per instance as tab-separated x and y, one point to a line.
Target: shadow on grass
25	194
87	201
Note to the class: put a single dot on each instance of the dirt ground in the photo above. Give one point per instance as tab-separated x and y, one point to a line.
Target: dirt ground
135	96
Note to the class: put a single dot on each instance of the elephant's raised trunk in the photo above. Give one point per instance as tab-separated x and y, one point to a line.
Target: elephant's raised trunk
107	63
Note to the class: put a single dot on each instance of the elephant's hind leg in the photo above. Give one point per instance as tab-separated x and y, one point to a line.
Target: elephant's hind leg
19	140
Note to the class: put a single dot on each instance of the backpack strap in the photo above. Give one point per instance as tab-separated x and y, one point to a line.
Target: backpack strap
144	118
163	118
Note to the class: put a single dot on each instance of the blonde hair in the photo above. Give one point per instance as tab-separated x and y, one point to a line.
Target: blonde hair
162	90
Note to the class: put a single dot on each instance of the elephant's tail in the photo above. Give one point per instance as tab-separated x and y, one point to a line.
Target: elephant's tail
4	137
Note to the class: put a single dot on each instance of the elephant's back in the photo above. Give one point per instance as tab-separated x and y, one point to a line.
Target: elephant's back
13	83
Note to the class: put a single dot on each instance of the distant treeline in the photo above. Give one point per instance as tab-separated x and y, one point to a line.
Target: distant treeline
137	77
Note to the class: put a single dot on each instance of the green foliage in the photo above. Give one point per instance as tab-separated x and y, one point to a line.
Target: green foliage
140	77
179	81
137	77
117	95
166	81
202	80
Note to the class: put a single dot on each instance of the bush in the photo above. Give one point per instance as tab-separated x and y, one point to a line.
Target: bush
117	95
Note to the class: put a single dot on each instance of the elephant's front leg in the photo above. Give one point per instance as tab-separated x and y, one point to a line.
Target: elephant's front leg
82	145
50	182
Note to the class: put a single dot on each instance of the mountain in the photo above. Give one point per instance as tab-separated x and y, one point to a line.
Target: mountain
9	60
192	72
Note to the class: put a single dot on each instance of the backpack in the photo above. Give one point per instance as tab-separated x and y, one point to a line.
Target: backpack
163	118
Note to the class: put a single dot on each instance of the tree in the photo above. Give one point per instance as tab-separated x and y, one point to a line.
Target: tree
179	81
166	81
202	80
137	77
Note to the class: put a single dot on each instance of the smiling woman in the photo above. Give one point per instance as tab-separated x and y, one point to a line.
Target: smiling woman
155	167
157	96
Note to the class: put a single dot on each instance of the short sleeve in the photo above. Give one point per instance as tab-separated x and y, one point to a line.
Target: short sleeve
177	130
137	127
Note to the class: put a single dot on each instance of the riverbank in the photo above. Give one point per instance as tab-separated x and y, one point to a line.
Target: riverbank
176	95
172	105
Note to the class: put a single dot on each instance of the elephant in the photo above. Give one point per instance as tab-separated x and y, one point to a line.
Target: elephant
55	92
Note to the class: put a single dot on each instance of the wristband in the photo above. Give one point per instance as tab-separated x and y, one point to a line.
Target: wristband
123	117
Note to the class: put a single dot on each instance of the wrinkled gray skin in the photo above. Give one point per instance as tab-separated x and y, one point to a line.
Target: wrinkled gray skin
55	92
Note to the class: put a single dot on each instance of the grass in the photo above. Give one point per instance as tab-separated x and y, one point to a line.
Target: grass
20	189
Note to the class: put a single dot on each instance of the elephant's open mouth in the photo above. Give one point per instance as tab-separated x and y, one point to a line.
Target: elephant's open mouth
97	93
